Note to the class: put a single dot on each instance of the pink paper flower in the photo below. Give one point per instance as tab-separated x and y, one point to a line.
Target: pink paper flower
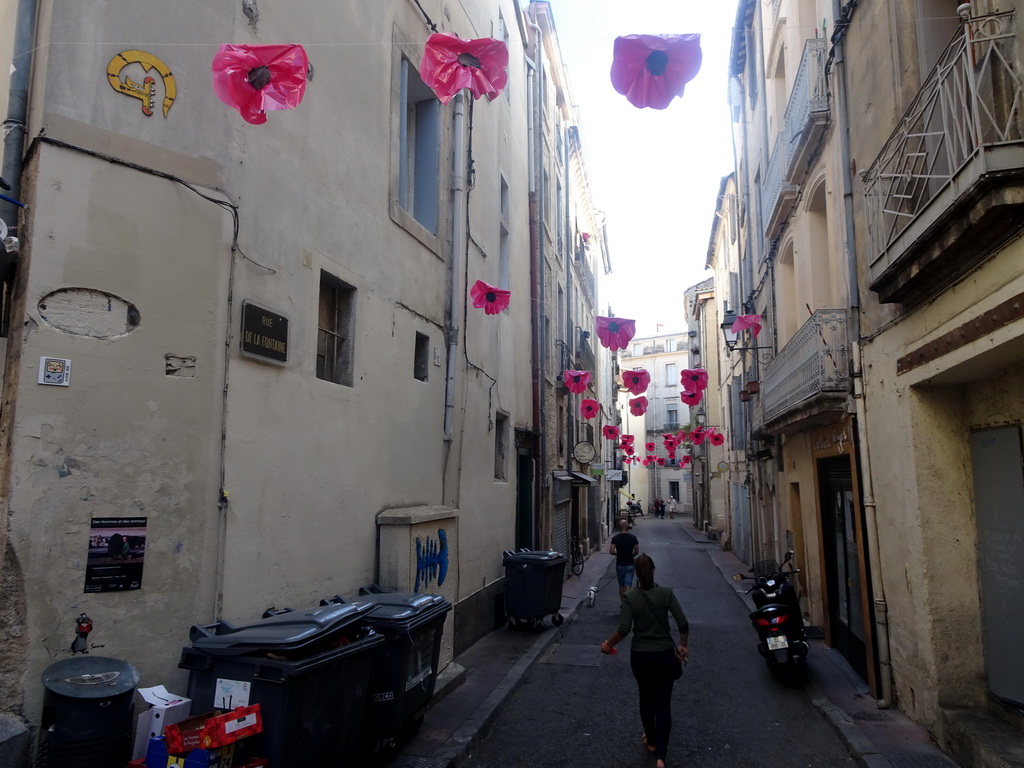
716	438
638	406
742	322
691	398
685	461
627	438
697	437
589	408
629	450
671	454
576	381
636	381
615	333
450	64
610	431
651	70
492	300
256	78
651	447
694	379
661	461
681	436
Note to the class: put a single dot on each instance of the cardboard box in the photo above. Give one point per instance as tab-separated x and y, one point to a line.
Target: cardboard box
157	756
214	729
164	708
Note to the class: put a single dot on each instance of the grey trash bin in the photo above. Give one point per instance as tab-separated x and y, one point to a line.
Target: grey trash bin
533	586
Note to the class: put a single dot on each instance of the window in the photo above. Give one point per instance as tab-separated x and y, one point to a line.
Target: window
419	151
670	345
421	357
670	374
500	446
503	244
335	334
671	418
637	349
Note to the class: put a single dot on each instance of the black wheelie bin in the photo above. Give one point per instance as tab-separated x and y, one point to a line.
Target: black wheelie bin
308	670
533	586
405	666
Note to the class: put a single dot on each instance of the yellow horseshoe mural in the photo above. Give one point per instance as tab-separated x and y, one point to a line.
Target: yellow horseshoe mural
144	92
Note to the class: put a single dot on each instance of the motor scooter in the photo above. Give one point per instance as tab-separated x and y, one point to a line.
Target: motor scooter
782	640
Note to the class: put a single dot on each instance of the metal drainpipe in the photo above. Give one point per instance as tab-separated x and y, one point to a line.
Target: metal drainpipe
860	408
458	247
535	133
17	113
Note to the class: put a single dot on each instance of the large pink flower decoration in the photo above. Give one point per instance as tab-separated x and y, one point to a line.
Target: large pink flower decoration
694	379
256	78
576	381
685	461
450	64
627	439
650	447
589	408
661	461
610	432
742	322
492	300
636	381
629	450
681	436
651	70
716	438
698	437
615	333
638	406
691	398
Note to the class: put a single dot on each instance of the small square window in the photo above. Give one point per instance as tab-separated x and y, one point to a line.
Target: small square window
500	446
421	360
335	331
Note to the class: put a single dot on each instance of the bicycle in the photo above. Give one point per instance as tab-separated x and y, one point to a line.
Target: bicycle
577	556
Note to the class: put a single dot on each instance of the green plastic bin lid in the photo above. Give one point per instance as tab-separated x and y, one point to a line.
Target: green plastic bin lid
287	630
531	556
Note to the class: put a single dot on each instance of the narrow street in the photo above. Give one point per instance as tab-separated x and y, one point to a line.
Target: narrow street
576	707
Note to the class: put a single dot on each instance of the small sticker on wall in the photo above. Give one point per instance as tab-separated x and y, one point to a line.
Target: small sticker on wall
55	371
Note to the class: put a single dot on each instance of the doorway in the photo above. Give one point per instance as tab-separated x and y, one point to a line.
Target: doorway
997	462
841	543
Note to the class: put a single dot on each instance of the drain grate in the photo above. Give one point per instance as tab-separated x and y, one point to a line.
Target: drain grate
573	655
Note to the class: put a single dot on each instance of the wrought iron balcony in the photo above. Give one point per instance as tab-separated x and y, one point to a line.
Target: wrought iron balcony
810	375
805	120
947	189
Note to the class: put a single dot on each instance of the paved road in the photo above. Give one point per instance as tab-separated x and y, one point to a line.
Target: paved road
578	708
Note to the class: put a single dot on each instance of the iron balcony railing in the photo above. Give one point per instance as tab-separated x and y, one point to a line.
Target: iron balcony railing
814	362
808	102
970	102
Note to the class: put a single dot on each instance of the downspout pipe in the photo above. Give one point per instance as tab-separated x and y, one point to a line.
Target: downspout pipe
15	126
536	140
458	248
860	409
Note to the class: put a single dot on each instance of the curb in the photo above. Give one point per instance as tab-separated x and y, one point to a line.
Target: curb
860	746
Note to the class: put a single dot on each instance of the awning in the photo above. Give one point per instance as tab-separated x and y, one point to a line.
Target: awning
578	479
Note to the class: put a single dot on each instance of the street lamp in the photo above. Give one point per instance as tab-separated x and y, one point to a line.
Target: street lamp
732	338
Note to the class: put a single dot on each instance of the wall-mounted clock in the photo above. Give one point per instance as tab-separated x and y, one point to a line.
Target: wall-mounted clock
584	452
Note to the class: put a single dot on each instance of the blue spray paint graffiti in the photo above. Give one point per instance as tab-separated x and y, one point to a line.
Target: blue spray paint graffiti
432	559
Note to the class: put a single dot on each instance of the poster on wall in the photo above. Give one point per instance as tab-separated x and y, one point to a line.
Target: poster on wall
116	549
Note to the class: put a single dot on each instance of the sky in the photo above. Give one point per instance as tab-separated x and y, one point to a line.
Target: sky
654	173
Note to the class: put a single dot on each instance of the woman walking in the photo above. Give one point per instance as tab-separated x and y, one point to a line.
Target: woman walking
655	658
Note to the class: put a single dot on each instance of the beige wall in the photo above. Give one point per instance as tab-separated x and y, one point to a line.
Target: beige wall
307	464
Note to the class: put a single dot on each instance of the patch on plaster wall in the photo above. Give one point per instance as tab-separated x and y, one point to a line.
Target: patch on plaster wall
88	312
175	365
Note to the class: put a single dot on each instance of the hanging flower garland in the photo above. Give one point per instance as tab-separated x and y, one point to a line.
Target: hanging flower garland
638	406
691	398
651	70
450	64
488	298
742	322
636	381
615	333
257	78
576	381
589	408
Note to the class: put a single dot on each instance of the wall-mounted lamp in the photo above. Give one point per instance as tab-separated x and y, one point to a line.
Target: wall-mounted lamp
732	338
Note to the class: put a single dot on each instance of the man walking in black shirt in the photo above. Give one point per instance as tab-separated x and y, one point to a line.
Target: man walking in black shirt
625	547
